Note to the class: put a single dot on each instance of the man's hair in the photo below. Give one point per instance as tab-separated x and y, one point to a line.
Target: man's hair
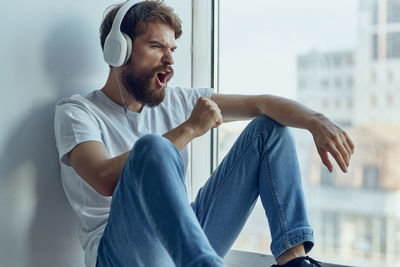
136	19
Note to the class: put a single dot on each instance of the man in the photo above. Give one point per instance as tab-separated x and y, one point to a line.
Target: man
149	221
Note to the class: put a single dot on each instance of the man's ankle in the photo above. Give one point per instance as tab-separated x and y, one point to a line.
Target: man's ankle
290	254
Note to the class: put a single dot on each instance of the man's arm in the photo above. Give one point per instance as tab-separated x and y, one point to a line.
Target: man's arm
328	137
93	163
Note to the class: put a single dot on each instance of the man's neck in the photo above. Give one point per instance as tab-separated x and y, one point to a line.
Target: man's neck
111	90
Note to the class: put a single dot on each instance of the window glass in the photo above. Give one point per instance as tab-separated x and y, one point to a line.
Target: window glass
329	56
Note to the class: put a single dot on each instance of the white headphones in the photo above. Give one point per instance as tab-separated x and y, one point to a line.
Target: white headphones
118	45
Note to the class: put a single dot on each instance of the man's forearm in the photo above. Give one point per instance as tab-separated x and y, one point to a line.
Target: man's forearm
286	111
181	135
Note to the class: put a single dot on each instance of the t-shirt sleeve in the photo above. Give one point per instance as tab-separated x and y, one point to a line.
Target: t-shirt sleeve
74	124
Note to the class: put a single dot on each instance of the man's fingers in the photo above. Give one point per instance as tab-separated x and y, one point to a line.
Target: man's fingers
323	154
341	147
346	145
349	142
337	156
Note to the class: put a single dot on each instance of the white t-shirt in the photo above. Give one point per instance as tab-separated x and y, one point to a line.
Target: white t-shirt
97	118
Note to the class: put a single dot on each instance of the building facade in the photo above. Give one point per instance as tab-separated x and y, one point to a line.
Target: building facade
356	215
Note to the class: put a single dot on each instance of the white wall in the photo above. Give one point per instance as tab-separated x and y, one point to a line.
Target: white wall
49	50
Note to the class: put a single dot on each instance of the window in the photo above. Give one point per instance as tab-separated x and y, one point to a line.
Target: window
370	177
375	46
393	11
393	44
330	231
374	12
389	100
280	48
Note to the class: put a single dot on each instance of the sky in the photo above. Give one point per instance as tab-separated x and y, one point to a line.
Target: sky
260	40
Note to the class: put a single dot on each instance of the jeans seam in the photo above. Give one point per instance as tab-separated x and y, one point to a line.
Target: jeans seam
228	173
275	198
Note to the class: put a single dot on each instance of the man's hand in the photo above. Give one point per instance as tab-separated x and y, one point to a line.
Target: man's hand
328	137
205	115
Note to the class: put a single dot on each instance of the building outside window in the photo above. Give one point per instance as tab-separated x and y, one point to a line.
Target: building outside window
370	177
298	50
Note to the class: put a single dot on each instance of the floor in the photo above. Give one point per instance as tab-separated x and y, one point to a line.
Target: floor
237	258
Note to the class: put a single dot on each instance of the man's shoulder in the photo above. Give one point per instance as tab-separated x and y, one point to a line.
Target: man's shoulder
77	99
76	104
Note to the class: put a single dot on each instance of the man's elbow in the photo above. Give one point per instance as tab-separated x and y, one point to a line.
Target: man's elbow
103	184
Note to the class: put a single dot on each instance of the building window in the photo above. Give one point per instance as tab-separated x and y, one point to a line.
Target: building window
393	45
368	237
337	60
397	239
393	11
383	233
389	100
375	46
374	12
370	178
330	231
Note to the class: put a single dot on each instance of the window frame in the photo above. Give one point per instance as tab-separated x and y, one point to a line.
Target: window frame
204	56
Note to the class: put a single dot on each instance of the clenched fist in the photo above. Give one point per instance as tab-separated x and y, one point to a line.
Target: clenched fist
205	115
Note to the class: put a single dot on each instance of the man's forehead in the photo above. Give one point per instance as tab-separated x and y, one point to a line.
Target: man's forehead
159	32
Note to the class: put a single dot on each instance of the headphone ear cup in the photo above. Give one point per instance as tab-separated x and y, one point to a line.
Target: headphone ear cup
128	47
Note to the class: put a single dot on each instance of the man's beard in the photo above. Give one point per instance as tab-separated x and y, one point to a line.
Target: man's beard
139	85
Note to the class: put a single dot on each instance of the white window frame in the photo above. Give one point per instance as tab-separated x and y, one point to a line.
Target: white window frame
204	53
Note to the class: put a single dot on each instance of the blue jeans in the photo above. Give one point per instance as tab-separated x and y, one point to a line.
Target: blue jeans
152	224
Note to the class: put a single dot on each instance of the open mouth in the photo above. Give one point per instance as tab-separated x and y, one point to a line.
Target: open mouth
162	77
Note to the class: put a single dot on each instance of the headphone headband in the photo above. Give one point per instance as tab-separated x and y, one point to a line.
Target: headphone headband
121	14
117	46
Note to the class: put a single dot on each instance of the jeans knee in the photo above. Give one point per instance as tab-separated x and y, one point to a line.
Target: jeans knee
152	146
264	124
153	154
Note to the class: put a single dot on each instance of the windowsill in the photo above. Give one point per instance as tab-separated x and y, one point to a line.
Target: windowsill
237	258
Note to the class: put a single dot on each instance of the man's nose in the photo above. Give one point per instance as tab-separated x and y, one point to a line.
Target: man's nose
168	58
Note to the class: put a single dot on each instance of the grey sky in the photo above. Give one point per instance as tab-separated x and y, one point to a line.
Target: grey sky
260	40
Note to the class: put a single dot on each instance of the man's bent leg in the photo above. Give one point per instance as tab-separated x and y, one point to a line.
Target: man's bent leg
263	161
150	217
